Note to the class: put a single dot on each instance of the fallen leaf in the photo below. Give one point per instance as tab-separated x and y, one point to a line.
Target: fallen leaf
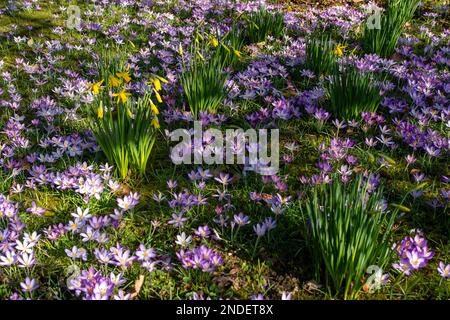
137	286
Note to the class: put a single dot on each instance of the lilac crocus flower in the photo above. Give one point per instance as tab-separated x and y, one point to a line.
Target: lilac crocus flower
29	285
241	220
203	231
127	203
35	210
444	270
177	220
415	260
224	179
260	229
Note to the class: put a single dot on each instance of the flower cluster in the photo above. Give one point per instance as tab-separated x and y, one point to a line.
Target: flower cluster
92	285
414	253
201	258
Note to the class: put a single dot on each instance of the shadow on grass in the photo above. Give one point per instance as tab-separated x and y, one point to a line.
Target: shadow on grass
40	21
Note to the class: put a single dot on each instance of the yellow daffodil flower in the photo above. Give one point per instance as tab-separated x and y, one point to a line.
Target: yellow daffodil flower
100	112
158	97
339	50
95	87
114	82
214	42
155	123
154	108
122	96
162	79
157	84
124	75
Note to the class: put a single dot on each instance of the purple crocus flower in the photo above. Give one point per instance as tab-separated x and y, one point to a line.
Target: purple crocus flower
203	231
260	229
241	220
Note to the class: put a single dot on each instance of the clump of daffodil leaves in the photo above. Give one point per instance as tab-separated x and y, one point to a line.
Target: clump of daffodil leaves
125	127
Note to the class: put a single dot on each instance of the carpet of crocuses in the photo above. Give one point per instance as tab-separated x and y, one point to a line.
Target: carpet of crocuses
76	225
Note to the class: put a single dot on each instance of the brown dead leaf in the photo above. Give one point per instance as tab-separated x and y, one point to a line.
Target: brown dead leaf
312	286
234	271
137	286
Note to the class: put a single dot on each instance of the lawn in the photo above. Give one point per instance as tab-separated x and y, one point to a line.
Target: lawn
100	100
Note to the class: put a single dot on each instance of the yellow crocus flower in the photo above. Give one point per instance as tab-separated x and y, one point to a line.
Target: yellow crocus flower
237	53
180	49
95	87
122	96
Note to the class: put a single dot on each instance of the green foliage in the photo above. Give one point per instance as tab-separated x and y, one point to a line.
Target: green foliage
347	232
125	133
204	81
229	48
125	129
352	92
383	41
263	23
320	56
